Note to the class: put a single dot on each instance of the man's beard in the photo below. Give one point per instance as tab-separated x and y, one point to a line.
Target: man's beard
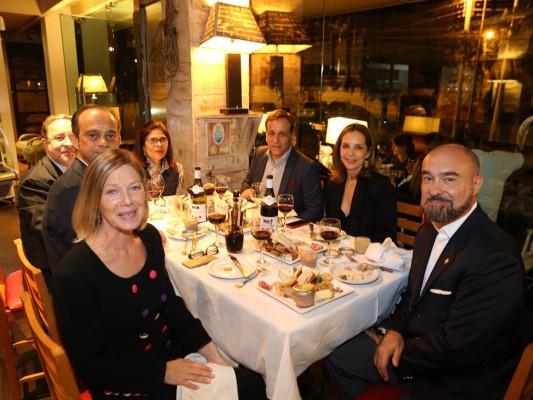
445	213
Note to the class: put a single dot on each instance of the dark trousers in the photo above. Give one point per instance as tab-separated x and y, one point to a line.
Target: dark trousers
351	365
250	385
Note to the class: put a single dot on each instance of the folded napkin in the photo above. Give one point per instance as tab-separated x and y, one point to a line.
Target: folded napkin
223	387
388	255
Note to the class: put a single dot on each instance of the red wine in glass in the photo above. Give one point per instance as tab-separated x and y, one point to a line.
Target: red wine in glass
285	208
261	234
216	218
329	236
221	190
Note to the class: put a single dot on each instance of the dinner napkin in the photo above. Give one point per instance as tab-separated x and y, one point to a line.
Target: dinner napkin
223	387
389	255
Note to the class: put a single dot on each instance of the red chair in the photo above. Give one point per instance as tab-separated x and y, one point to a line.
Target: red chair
384	392
11	309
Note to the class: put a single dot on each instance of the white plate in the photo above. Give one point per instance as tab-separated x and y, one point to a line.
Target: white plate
350	269
341	236
289	302
177	233
225	269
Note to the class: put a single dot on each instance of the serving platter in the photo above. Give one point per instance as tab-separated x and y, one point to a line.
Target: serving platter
295	257
289	302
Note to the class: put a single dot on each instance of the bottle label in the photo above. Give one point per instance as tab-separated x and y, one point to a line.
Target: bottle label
197	189
269	200
199	212
267	221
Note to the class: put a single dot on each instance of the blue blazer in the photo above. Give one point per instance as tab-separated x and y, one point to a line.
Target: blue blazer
301	178
57	219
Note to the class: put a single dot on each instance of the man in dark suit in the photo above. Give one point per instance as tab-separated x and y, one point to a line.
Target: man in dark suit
96	129
57	141
293	172
456	332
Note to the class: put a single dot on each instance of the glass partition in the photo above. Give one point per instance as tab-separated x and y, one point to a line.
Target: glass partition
426	59
103	45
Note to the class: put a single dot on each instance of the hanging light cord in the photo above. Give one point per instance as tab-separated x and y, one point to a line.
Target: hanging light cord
165	43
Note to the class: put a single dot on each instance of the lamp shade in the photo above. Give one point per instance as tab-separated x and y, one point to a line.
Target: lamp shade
337	124
283	33
233	29
422	125
92	83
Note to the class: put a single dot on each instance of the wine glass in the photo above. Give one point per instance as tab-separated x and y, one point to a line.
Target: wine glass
262	230
258	192
221	184
285	205
216	214
330	230
155	186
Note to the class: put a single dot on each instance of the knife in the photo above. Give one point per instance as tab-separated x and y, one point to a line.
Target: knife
238	265
350	257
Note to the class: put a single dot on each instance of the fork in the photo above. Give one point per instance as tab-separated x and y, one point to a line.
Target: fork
260	270
370	265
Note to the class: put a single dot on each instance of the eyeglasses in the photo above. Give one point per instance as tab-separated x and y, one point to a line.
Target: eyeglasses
153	141
61	138
212	249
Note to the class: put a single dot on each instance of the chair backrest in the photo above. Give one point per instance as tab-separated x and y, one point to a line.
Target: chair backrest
410	217
521	386
56	365
9	345
39	292
527	250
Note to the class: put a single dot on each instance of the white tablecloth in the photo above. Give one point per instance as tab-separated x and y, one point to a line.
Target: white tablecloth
267	336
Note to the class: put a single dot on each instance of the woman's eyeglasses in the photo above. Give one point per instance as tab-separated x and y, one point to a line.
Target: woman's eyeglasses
212	249
153	141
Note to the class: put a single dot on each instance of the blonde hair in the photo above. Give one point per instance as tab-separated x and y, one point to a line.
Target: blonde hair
86	217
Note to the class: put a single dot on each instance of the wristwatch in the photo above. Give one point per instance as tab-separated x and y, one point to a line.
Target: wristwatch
381	330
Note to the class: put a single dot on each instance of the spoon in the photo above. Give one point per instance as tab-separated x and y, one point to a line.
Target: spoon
259	271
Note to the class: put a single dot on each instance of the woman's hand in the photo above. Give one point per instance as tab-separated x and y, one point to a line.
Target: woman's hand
184	372
212	354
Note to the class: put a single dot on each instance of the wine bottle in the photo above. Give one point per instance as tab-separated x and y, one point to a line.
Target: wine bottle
198	197
269	206
234	233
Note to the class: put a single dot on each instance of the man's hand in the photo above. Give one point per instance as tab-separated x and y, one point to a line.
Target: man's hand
184	372
391	346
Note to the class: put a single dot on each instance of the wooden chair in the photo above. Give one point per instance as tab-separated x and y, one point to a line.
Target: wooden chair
38	290
58	371
11	311
410	217
521	386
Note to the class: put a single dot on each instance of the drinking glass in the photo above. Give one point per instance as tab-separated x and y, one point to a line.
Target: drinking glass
155	187
261	231
330	230
258	192
221	185
285	205
216	214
